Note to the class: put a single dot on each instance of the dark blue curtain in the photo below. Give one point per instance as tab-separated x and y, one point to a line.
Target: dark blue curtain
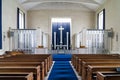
0	24
55	28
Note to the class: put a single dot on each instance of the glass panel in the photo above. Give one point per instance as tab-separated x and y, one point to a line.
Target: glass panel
21	20
101	20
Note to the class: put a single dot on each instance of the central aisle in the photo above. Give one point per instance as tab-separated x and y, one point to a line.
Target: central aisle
62	69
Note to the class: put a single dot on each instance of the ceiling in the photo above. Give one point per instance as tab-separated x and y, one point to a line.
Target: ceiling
86	5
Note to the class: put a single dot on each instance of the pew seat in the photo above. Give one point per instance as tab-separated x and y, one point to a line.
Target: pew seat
78	58
108	76
85	66
16	76
23	69
93	69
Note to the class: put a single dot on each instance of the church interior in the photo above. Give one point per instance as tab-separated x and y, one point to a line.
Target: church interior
59	40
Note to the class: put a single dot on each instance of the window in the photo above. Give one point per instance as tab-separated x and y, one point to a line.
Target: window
20	25
0	24
20	19
101	19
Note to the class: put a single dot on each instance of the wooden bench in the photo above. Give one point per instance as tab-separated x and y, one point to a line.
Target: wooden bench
35	56
93	69
27	60
90	61
76	58
40	62
27	69
30	58
85	66
79	63
108	76
25	64
16	76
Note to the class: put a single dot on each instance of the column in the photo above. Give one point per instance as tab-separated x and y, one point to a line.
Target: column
67	39
54	40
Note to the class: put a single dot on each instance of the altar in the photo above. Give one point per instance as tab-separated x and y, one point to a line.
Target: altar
61	37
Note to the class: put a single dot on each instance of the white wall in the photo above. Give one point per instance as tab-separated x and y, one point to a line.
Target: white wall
9	19
112	20
42	19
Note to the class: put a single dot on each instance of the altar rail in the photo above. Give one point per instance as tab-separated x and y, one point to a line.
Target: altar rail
23	40
117	42
94	40
63	51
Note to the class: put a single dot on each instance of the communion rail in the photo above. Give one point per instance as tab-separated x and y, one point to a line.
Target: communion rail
94	40
23	40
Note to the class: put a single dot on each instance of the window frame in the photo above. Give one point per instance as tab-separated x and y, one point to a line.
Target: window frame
103	21
19	11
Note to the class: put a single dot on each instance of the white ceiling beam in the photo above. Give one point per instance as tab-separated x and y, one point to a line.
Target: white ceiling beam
22	1
88	4
65	7
100	1
87	7
97	2
71	1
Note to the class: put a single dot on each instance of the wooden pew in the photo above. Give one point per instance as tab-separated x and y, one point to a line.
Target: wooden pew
79	64
19	69
16	76
108	76
74	56
25	64
30	58
36	56
85	66
93	69
88	61
79	58
77	61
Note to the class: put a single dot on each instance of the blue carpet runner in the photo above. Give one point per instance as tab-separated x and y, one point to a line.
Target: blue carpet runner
62	69
62	57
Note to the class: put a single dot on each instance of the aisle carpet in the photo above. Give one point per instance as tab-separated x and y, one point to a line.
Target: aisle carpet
62	57
62	69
